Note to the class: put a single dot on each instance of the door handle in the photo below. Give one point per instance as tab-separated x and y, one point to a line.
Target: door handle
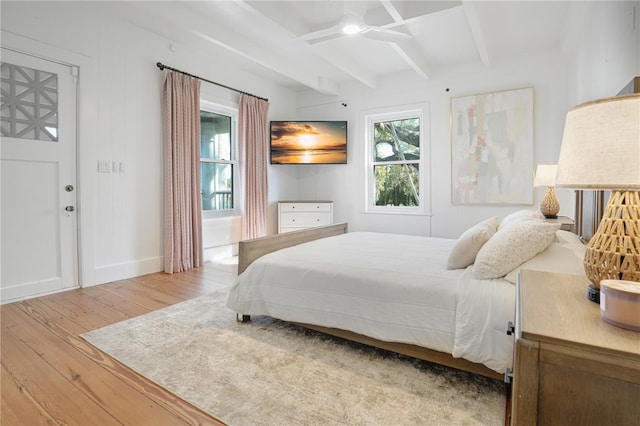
69	208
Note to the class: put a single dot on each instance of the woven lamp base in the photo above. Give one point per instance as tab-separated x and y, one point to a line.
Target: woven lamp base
549	206
614	250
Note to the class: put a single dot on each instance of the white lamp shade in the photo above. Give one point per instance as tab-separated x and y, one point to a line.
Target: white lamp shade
601	145
545	175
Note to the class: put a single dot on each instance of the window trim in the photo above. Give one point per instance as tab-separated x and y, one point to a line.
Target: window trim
233	113
398	113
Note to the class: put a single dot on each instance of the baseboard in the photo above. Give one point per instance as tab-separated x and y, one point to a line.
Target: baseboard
213	253
122	271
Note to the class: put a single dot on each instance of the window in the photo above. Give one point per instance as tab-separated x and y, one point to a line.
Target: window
29	104
218	165
394	174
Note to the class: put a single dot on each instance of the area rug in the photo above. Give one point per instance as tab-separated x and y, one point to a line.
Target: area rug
267	372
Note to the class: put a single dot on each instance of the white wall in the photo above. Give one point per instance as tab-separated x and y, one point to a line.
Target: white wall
546	73
599	57
220	237
603	50
121	219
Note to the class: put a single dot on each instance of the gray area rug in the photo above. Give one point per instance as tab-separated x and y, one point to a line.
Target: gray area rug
267	372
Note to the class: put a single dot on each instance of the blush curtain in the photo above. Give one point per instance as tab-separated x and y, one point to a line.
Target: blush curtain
182	201
254	144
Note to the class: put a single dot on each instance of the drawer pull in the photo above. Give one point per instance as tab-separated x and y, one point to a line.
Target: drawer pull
508	376
510	328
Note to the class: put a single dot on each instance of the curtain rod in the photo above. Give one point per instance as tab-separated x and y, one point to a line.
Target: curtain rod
162	67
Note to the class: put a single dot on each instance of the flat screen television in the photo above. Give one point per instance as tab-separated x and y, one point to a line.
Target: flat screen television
308	142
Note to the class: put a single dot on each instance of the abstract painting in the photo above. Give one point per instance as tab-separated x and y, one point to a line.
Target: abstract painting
492	148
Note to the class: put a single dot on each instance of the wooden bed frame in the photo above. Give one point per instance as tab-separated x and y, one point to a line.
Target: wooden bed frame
250	250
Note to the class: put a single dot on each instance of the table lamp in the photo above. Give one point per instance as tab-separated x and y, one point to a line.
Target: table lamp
601	150
546	176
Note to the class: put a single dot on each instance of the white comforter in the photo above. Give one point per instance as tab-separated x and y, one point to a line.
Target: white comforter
386	286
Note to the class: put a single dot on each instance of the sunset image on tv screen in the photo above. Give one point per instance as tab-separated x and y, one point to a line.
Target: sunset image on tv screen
308	142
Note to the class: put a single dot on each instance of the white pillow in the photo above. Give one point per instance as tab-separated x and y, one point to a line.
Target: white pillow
470	242
521	215
511	246
558	258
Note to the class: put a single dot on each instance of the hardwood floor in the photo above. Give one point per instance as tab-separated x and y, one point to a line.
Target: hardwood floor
52	376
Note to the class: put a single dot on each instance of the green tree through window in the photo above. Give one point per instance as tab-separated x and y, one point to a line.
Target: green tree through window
396	162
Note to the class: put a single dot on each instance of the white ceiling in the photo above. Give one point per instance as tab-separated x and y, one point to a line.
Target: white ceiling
264	37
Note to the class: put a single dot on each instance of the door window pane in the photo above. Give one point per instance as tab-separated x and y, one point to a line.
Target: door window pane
29	106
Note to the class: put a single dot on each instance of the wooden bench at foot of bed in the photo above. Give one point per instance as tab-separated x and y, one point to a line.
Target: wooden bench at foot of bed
250	250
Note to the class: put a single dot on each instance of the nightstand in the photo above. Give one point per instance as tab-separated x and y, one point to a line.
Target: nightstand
570	367
566	223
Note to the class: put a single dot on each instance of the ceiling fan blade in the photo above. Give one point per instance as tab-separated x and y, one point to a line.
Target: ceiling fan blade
384	34
322	34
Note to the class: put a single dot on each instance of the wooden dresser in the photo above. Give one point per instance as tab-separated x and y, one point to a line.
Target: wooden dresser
571	367
296	215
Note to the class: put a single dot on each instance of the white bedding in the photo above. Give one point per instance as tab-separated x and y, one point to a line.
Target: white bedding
386	286
483	311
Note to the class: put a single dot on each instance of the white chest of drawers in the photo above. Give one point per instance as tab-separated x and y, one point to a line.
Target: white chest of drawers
296	215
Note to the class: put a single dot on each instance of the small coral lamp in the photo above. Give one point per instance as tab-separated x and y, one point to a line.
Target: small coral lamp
601	150
546	176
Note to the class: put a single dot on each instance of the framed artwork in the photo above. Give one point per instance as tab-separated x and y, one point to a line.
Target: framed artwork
492	148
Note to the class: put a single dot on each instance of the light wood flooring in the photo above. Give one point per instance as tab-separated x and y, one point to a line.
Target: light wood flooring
52	376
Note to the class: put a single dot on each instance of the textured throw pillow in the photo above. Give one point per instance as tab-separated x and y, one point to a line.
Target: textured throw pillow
511	246
521	215
470	242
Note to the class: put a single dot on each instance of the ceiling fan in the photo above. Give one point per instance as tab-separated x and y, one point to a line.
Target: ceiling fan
352	24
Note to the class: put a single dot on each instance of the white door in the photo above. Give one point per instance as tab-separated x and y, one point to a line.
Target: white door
38	177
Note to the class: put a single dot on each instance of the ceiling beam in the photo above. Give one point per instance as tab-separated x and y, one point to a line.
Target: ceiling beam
224	37
351	69
282	65
471	13
413	57
315	82
392	10
408	50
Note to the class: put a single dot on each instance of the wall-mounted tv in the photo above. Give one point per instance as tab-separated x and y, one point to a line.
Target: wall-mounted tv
308	142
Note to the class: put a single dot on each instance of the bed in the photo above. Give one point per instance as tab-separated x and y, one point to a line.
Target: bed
425	297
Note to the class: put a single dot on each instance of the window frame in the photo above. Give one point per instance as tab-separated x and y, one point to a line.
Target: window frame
235	164
401	113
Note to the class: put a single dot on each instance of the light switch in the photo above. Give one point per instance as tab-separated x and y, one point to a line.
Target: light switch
104	166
